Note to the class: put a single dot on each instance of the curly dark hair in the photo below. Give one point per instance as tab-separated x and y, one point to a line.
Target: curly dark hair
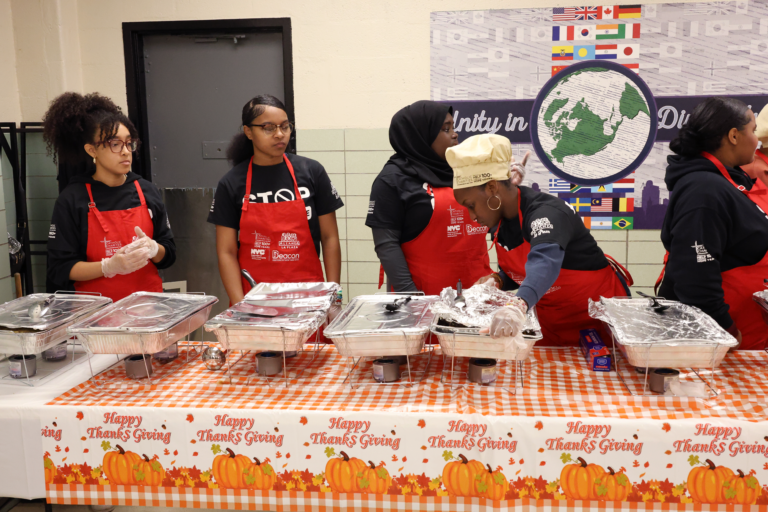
73	120
240	147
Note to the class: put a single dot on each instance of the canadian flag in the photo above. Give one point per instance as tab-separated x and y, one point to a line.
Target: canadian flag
606	12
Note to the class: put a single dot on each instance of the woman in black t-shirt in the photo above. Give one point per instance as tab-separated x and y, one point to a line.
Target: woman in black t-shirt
273	211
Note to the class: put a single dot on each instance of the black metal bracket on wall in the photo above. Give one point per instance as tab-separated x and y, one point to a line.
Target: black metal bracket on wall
133	48
16	152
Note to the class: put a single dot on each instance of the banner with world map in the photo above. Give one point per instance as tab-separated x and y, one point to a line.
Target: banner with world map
491	66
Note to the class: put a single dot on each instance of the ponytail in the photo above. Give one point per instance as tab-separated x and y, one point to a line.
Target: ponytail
74	120
710	121
240	147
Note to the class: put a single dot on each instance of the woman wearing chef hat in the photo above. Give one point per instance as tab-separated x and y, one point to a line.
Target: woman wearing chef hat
715	230
273	210
541	244
758	169
424	239
109	231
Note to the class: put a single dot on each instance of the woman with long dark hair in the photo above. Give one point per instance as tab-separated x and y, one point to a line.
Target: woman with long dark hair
543	247
274	211
424	239
716	229
110	231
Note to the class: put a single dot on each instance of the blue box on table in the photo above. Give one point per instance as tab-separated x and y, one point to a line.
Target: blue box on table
594	349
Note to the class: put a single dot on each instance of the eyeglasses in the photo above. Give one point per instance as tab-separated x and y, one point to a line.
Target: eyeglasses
270	128
117	145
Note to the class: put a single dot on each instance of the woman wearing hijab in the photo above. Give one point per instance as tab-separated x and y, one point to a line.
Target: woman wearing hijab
758	169
424	239
715	230
541	244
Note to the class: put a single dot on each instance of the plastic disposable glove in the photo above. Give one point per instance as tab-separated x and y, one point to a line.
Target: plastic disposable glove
143	242
124	262
517	169
509	320
333	312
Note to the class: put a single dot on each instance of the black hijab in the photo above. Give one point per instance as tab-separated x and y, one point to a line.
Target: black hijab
411	133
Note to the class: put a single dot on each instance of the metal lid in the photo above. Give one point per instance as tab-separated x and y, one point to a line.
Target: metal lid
144	312
658	321
247	316
369	315
295	296
63	308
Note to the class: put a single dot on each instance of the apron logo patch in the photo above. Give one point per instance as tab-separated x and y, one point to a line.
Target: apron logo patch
261	241
289	241
473	229
258	254
541	226
702	255
334	191
457	215
278	256
370	207
110	247
52	231
454	231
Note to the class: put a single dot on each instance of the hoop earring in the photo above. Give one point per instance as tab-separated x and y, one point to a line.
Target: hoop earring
488	203
94	160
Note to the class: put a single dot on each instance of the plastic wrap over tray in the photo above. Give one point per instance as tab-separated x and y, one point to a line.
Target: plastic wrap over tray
282	298
367	328
668	334
239	328
761	298
143	322
21	334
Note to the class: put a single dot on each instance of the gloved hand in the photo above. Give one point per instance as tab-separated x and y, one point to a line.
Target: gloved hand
124	262
143	242
509	320
517	170
490	280
333	312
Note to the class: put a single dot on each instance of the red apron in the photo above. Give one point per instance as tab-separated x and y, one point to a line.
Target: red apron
108	232
563	308
451	247
741	282
275	241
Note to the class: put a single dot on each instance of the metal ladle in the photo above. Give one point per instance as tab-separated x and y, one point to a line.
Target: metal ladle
658	308
39	309
248	277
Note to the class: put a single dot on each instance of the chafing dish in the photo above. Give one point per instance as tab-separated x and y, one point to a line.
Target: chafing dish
143	322
382	325
22	334
659	333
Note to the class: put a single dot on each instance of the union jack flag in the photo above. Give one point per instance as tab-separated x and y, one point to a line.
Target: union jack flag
575	13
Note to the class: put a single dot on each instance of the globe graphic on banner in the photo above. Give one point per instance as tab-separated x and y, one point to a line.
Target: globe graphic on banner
592	122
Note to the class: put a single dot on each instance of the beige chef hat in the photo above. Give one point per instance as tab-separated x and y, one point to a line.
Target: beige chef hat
480	159
762	123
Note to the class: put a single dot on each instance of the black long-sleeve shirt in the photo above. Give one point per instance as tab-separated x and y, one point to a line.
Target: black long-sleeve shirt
710	227
68	235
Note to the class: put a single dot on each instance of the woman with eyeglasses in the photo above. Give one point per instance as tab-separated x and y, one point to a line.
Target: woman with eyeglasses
425	240
273	211
109	231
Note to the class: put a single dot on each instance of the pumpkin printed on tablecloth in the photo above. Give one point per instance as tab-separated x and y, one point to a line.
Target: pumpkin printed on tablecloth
705	483
742	489
493	484
462	477
578	480
613	486
260	475
374	480
230	470
149	472
119	465
50	470
341	473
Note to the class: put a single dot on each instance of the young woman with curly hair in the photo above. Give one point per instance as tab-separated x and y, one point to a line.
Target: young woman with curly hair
110	231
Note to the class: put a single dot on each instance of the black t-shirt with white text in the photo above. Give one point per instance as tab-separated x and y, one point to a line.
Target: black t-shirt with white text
273	183
547	220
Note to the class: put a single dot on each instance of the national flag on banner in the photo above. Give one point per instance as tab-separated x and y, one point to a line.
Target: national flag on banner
618	31
587	222
622	223
584	33
625	185
576	188
608	12
558	185
580	204
628	51
575	13
562	33
633	67
562	53
602	205
584	52
602	222
556	70
602	189
605	51
622	204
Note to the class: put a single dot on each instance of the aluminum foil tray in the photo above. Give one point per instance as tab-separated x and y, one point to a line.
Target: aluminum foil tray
286	298
143	322
239	328
762	300
366	328
20	334
680	336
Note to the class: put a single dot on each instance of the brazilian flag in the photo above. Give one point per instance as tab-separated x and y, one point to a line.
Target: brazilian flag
622	223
